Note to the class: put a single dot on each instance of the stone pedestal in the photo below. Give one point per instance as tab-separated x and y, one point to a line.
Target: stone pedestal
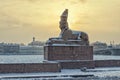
68	52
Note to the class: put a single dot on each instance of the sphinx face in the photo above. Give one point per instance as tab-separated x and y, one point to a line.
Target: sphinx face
63	25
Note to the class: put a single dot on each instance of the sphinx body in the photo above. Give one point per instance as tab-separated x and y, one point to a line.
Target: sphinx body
68	36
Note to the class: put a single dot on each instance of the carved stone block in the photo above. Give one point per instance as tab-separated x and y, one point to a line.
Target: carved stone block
68	53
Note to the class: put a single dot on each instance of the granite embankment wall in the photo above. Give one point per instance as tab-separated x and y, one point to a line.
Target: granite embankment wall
89	64
29	67
56	66
77	64
107	63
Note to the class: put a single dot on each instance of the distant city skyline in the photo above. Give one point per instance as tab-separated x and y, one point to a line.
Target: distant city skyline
21	20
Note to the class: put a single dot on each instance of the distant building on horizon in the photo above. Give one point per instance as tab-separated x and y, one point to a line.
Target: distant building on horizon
36	43
18	49
99	45
31	50
9	48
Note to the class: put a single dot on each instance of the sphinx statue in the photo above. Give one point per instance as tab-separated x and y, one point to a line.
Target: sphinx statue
68	36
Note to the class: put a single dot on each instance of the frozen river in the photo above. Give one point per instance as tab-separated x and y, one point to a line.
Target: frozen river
40	58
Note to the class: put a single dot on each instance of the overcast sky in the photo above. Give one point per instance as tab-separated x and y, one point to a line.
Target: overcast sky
20	20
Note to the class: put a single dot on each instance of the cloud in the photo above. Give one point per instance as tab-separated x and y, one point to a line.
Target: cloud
78	1
8	22
83	1
32	0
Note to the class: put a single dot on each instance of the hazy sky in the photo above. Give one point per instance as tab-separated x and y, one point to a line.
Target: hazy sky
20	20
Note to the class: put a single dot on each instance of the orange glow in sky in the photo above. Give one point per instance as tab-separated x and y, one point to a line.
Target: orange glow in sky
20	20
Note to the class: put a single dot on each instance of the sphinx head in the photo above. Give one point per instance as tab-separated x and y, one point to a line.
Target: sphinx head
63	20
65	13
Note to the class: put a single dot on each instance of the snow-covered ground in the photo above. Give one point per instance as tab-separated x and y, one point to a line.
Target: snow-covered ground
40	58
65	73
106	57
21	58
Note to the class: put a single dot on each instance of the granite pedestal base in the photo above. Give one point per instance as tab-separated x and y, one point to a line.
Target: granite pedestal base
68	52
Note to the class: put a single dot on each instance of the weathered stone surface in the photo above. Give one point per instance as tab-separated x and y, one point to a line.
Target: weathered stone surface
77	64
29	67
107	63
68	53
